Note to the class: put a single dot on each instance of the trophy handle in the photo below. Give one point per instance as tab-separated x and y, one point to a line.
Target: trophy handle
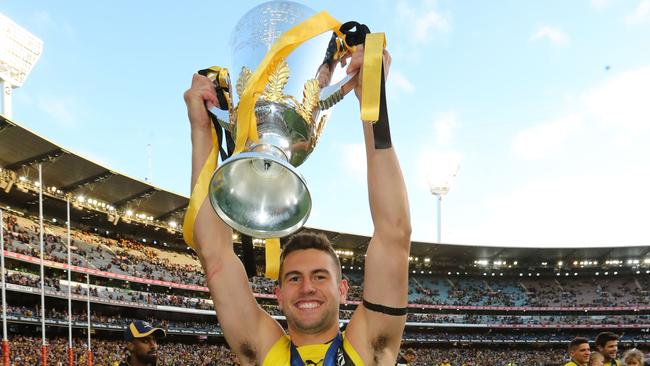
332	94
221	80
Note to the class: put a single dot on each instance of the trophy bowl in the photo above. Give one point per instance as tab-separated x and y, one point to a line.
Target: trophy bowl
259	192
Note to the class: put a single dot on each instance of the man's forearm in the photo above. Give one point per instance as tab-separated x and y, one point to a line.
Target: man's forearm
201	147
386	190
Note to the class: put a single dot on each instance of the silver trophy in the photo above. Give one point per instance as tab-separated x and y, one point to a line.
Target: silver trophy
259	192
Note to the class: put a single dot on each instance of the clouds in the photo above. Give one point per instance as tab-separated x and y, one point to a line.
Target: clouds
640	15
444	126
592	210
423	20
621	102
554	35
618	106
542	139
601	198
353	158
399	83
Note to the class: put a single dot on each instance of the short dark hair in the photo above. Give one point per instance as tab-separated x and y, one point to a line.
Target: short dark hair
410	351
577	341
604	337
309	240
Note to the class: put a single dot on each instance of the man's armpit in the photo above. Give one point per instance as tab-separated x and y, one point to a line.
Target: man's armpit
379	348
247	353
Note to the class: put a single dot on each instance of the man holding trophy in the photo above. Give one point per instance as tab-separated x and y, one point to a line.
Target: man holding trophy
310	288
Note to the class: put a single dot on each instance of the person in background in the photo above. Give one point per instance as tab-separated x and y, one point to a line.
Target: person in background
578	352
142	344
596	359
633	357
406	358
607	345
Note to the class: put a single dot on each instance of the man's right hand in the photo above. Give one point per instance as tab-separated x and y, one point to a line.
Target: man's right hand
199	97
249	330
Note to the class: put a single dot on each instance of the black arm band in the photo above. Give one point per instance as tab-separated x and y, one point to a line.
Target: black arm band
384	309
381	129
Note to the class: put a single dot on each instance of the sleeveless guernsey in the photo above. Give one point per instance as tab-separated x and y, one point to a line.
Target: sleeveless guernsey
312	354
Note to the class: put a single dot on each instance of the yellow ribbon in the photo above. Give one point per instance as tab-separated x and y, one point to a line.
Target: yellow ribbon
283	46
371	78
200	191
272	254
247	124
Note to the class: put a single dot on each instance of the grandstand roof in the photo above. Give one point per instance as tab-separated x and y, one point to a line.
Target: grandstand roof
21	150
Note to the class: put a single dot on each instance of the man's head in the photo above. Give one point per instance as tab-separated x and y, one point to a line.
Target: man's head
310	286
142	342
607	345
579	350
409	355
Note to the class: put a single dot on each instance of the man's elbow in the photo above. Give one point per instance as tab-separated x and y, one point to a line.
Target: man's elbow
397	231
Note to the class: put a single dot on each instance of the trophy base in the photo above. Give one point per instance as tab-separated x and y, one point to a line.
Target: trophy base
260	194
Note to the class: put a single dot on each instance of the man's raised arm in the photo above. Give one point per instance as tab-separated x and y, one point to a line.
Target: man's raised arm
249	330
377	326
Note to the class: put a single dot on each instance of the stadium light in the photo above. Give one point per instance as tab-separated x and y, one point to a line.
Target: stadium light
439	184
19	51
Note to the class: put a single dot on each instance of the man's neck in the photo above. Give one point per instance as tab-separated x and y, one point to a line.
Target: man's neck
302	339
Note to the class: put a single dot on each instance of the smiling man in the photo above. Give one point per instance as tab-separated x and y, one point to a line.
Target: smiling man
142	344
578	352
607	345
310	287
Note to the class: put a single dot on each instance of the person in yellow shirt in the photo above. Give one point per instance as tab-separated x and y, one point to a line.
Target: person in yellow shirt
445	362
310	285
578	352
607	345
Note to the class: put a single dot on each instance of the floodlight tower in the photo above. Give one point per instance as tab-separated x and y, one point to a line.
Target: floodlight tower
439	186
19	51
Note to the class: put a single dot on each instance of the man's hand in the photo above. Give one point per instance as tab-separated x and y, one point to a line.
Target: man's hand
356	63
199	97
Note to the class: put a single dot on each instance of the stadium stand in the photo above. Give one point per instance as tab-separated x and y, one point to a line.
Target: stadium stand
469	305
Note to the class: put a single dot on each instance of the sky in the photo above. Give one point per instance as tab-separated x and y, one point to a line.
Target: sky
541	109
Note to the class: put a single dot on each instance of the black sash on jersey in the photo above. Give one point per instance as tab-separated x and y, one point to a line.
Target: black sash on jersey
333	357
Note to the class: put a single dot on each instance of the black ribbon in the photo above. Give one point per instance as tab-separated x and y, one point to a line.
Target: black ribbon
226	149
355	34
330	356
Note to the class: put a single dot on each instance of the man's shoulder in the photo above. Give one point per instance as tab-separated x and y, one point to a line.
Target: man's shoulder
571	363
124	363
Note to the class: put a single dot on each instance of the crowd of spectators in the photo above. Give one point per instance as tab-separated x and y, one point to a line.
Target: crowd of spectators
25	350
153	262
488	357
415	314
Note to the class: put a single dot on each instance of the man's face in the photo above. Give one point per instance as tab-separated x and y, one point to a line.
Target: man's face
409	357
609	350
310	293
581	353
144	350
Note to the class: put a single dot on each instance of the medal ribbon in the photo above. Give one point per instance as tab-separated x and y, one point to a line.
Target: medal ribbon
330	355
